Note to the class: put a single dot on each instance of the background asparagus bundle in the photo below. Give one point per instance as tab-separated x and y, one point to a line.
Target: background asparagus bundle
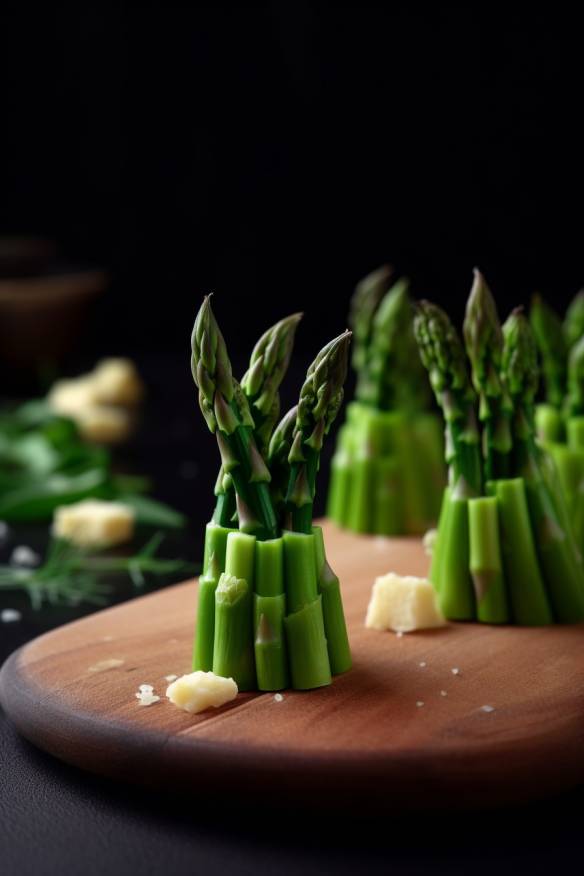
505	550
270	611
560	417
387	473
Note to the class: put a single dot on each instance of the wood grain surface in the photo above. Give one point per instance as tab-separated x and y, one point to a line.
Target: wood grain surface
367	735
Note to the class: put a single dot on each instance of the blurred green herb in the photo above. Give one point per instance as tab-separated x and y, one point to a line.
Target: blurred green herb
73	576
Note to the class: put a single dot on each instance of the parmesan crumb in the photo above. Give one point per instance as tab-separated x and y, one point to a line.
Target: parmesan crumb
443	693
278	698
403	603
170	677
419	704
423	664
146	695
487	708
200	690
10	615
104	665
455	670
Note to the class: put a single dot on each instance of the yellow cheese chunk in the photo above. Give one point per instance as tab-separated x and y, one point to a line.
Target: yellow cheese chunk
69	397
101	424
117	382
94	523
201	690
403	604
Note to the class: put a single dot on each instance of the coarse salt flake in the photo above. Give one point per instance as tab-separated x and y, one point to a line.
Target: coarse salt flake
420	703
487	708
443	693
278	698
423	664
170	677
455	670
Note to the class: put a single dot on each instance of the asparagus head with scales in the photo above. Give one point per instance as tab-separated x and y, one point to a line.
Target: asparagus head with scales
269	606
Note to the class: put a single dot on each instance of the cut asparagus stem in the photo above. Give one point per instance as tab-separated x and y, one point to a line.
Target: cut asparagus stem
527	594
360	510
233	650
299	570
213	566
549	337
455	588
320	399
436	564
484	345
269	568
339	488
339	651
388	505
270	648
307	648
549	424
485	561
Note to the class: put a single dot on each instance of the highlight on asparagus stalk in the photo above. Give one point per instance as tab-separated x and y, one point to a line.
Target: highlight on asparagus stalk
270	610
574	320
505	550
387	473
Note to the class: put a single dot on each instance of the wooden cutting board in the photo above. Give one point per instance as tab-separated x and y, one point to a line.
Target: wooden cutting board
507	727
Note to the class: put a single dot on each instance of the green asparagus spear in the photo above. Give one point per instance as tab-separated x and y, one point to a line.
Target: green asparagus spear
320	399
364	303
574	403
268	364
484	345
226	411
443	356
279	450
574	320
559	556
549	337
392	375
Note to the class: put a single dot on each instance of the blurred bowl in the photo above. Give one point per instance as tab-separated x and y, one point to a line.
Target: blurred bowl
42	308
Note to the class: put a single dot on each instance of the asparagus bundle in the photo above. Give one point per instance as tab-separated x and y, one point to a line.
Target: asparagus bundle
505	551
270	611
387	473
560	418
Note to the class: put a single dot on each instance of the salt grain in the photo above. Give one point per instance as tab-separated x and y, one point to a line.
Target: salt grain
146	696
399	634
278	698
23	555
443	693
10	615
170	677
455	671
419	704
487	708
422	664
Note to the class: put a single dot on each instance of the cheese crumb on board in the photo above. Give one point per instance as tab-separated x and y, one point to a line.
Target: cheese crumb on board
201	690
117	382
170	677
487	708
278	698
443	693
455	670
429	541
104	665
403	603
146	695
94	523
420	703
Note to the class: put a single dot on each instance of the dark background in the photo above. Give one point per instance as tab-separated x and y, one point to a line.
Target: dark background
274	154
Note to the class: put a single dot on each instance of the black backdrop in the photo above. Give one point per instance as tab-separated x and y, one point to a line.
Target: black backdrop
275	152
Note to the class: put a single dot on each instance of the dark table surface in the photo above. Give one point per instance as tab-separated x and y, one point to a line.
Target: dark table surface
55	819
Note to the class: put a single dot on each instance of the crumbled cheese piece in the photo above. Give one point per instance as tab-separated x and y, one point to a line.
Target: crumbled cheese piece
103	424
455	670
24	556
429	541
117	382
94	522
278	698
487	708
10	615
146	695
170	677
423	664
419	704
71	396
104	665
201	690
403	603
443	693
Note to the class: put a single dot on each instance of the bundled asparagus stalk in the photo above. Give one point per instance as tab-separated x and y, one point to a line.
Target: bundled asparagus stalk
387	473
270	610
505	550
560	418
